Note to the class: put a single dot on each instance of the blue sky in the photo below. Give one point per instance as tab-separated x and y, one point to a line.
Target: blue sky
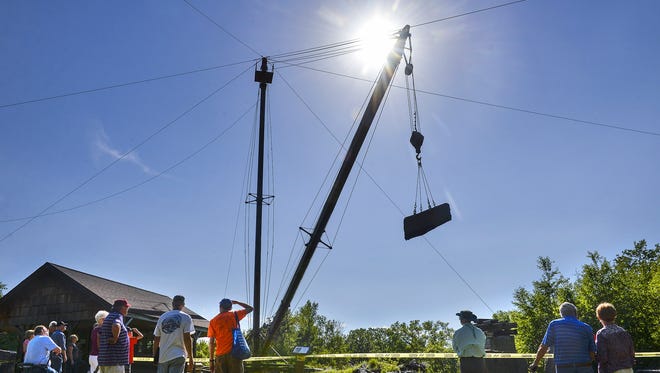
521	185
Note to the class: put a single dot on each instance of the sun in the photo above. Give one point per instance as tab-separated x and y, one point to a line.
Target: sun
376	40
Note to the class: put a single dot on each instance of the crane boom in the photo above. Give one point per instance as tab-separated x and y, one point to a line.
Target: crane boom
382	84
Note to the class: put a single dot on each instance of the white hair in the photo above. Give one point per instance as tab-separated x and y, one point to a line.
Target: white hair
567	309
100	315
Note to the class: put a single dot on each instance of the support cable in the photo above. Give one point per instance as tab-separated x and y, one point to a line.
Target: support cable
289	269
379	187
242	206
498	106
353	186
119	85
134	148
468	13
135	186
270	234
238	214
223	29
275	57
248	217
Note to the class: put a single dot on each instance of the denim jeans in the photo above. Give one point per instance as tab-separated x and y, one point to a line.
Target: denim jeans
177	365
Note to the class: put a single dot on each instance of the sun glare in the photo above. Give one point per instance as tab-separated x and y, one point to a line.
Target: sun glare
376	40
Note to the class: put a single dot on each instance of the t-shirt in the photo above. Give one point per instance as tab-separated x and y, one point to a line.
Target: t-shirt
56	360
221	327
170	328
38	350
571	340
132	341
60	339
117	353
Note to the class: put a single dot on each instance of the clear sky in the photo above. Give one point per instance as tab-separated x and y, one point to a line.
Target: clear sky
521	185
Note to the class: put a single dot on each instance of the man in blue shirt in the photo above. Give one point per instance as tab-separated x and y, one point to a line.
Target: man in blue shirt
39	349
572	343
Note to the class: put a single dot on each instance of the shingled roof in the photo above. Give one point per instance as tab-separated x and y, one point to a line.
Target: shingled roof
145	304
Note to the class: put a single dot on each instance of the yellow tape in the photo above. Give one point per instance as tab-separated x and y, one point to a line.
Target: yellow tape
425	355
647	354
205	360
432	355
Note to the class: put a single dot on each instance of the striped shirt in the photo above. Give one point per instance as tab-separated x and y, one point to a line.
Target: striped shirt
117	353
572	341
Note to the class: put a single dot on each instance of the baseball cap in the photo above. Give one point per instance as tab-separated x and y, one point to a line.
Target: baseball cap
226	303
121	303
62	323
52	323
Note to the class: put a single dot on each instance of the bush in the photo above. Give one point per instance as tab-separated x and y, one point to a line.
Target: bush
9	342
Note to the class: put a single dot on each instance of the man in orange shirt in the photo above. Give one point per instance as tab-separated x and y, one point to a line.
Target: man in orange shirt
134	336
221	338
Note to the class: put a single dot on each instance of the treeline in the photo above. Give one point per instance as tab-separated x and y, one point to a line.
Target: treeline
631	281
306	327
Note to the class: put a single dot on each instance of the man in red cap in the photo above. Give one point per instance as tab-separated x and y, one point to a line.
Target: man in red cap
113	338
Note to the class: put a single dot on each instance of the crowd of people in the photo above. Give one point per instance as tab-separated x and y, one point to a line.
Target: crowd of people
575	347
573	343
112	342
50	347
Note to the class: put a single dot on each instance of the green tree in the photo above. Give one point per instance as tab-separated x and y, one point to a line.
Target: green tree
202	348
416	336
594	285
503	316
332	333
284	340
536	308
367	340
630	282
307	327
637	301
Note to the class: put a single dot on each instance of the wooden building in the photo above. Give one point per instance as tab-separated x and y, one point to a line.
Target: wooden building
57	293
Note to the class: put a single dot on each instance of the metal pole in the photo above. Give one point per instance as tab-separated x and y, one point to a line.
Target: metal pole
264	78
384	79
